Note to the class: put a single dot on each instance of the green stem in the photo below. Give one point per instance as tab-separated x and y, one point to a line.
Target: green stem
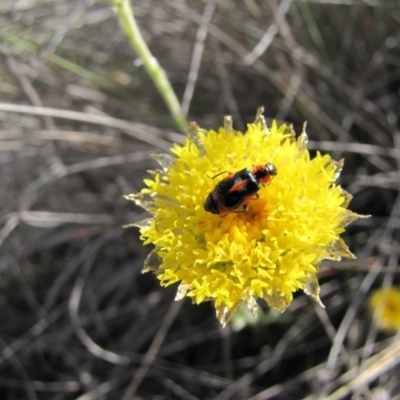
132	31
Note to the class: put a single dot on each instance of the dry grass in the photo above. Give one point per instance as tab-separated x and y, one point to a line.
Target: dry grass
79	118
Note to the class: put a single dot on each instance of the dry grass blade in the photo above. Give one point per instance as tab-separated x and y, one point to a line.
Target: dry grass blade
372	369
153	350
138	131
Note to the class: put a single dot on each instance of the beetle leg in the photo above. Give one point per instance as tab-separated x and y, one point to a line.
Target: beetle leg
241	211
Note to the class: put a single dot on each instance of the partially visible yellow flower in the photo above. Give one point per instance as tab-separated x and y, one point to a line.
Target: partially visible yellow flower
385	308
268	252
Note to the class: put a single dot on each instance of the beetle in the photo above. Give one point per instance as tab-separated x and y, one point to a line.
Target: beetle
234	191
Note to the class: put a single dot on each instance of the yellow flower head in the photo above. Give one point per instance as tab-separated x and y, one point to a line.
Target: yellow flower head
269	251
385	308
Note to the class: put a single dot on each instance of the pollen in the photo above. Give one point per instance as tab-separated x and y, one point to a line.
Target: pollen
235	254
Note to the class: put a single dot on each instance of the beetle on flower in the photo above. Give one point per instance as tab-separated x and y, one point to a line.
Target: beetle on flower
235	190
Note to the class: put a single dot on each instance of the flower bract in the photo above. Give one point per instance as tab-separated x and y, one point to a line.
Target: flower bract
269	251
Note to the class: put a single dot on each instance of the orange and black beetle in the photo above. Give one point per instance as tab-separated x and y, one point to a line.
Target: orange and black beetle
236	189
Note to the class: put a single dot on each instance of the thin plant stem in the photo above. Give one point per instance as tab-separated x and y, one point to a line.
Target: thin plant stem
158	75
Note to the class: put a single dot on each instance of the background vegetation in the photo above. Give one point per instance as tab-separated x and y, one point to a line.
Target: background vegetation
79	117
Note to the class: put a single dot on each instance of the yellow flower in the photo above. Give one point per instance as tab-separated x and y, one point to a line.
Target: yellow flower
268	252
385	308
